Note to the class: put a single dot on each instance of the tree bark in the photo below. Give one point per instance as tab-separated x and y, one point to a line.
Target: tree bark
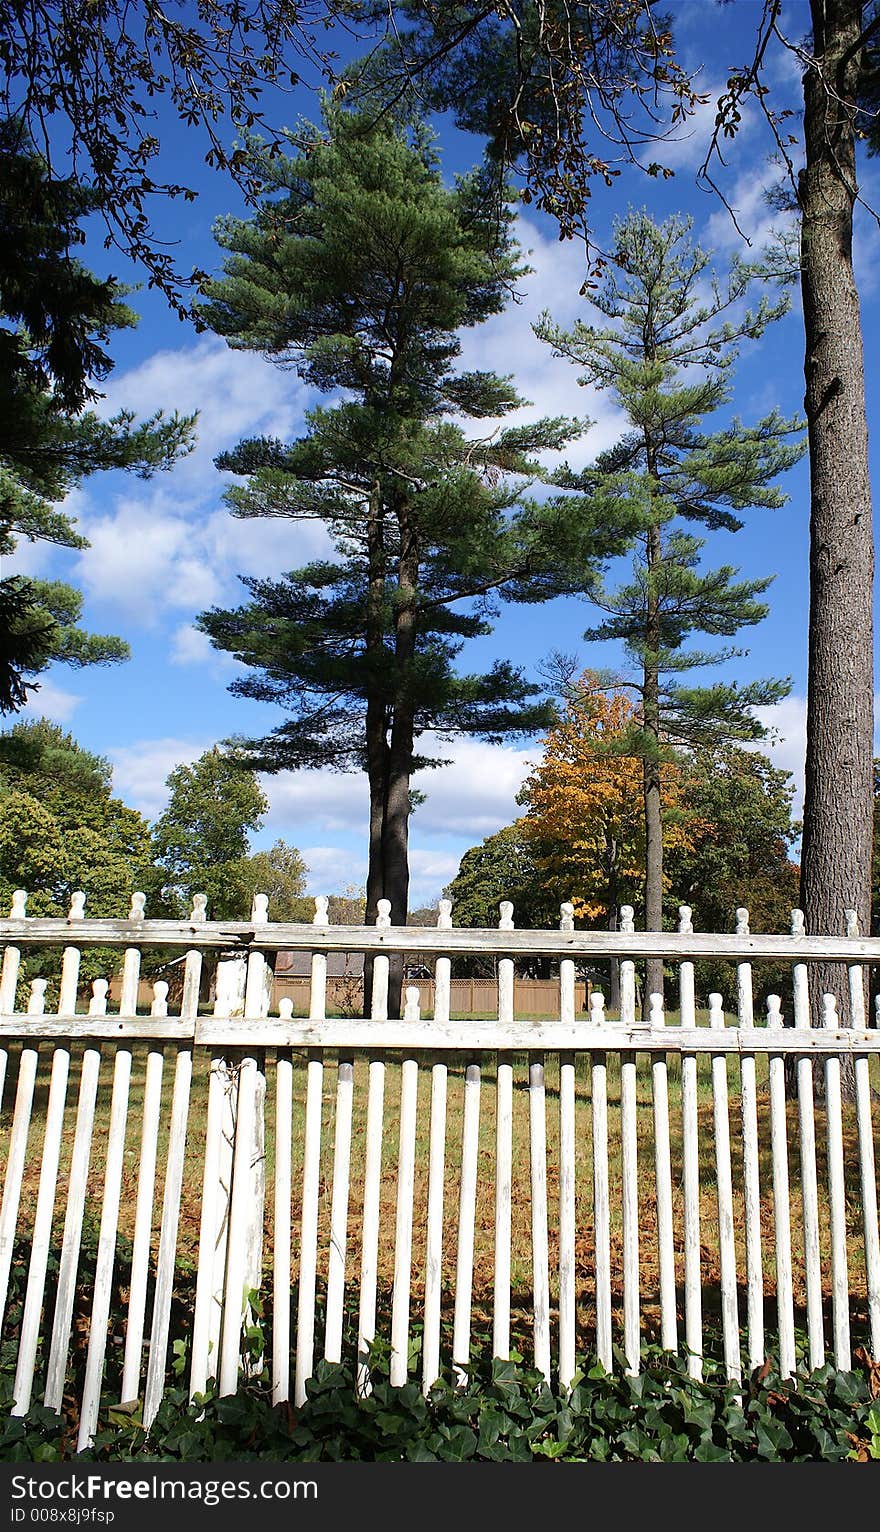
837	842
395	833
376	727
651	775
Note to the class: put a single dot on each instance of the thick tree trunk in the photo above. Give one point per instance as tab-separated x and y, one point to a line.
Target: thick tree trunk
377	774
836	864
651	777
395	845
395	833
377	743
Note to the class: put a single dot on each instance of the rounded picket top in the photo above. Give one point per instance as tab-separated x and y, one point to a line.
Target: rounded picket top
444	914
716	1009
506	912
774	1013
852	922
285	1008
138	902
199	909
383	916
627	914
260	909
18	908
159	1006
685	923
566	916
412	1009
37	1001
597	1008
798	923
742	922
98	1002
830	1017
321	917
656	1017
77	909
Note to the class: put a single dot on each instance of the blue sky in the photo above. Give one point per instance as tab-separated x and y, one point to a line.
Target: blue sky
163	551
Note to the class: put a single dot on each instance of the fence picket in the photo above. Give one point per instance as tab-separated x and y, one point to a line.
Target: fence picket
77	1182
601	1198
174	1164
663	1181
152	1104
724	1181
18	1139
630	1168
339	1210
540	1252
406	1160
48	1186
282	1232
373	1164
9	976
809	1182
693	1292
867	1171
503	1155
436	1172
109	1225
751	1171
308	1260
781	1211
467	1204
567	1167
836	1195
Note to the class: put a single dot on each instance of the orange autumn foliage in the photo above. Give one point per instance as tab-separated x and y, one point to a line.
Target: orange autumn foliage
585	811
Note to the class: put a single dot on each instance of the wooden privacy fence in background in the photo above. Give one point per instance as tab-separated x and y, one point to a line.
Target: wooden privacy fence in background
447	1185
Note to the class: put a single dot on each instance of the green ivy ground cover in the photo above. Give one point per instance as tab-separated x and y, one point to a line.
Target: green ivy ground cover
506	1413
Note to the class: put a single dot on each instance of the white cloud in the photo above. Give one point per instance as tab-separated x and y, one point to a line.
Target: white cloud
331	801
752	217
430	872
51	702
507	345
236	393
686	145
333	870
140	770
788	722
146	558
475	794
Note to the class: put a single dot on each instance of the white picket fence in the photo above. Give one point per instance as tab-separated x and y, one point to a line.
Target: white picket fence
612	1200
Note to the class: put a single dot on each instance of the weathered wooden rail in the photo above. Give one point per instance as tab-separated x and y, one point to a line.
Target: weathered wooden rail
217	1097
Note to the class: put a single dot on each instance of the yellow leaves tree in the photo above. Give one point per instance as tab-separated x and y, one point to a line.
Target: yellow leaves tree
584	806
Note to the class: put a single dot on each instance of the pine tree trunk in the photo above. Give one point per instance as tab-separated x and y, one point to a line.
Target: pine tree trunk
836	865
651	776
395	835
377	744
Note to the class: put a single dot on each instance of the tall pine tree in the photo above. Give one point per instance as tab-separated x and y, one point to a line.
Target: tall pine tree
55	319
665	357
360	272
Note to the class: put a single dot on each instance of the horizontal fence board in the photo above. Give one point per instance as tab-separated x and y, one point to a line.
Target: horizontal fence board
457	941
514	1037
525	1036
